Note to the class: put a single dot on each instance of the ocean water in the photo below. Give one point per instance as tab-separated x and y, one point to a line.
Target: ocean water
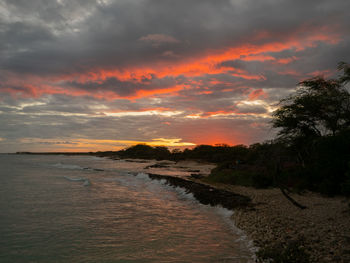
89	209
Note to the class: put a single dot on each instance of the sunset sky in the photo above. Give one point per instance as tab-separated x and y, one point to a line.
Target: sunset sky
89	75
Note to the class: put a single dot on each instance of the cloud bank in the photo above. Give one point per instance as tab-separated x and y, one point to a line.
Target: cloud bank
77	74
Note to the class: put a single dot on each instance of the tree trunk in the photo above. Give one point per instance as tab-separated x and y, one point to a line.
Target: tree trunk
292	200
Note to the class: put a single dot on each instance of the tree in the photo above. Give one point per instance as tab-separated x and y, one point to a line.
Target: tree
315	124
319	107
345	67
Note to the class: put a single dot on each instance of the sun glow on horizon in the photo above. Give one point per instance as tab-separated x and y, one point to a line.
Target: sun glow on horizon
91	145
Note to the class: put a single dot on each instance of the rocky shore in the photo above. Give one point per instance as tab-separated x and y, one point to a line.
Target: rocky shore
206	194
270	220
267	217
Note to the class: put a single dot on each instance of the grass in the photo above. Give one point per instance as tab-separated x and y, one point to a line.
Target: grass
222	174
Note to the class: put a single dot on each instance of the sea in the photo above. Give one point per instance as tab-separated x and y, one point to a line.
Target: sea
58	208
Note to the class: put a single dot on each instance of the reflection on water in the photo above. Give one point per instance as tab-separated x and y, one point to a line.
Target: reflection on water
50	214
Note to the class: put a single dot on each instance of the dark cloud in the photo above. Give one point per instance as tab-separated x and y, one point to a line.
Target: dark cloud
124	88
69	33
131	69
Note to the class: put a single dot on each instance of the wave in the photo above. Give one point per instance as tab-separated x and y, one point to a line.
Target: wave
76	167
87	182
69	166
224	213
143	176
75	179
78	179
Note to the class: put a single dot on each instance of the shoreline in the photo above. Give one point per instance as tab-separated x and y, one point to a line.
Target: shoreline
265	215
270	220
323	227
206	194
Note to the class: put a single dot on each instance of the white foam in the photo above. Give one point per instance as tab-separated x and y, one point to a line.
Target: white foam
68	166
75	179
184	194
79	179
242	236
87	182
143	176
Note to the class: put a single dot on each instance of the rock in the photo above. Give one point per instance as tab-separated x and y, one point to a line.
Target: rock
157	165
205	194
197	176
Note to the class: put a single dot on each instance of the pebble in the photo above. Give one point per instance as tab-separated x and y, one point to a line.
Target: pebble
323	227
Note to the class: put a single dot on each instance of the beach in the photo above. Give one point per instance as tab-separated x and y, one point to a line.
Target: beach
269	219
324	226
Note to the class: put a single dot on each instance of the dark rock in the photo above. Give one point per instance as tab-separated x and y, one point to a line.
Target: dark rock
205	194
157	165
197	176
135	161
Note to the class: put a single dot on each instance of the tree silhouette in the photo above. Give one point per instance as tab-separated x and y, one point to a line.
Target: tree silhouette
320	107
345	67
315	124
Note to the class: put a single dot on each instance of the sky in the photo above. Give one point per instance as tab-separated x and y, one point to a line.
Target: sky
88	75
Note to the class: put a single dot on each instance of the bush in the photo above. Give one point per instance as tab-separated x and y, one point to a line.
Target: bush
143	151
262	181
346	186
227	174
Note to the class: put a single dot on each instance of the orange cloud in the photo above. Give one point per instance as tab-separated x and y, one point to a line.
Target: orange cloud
206	92
141	110
286	60
325	73
256	94
218	112
258	58
215	136
154	92
204	63
291	72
